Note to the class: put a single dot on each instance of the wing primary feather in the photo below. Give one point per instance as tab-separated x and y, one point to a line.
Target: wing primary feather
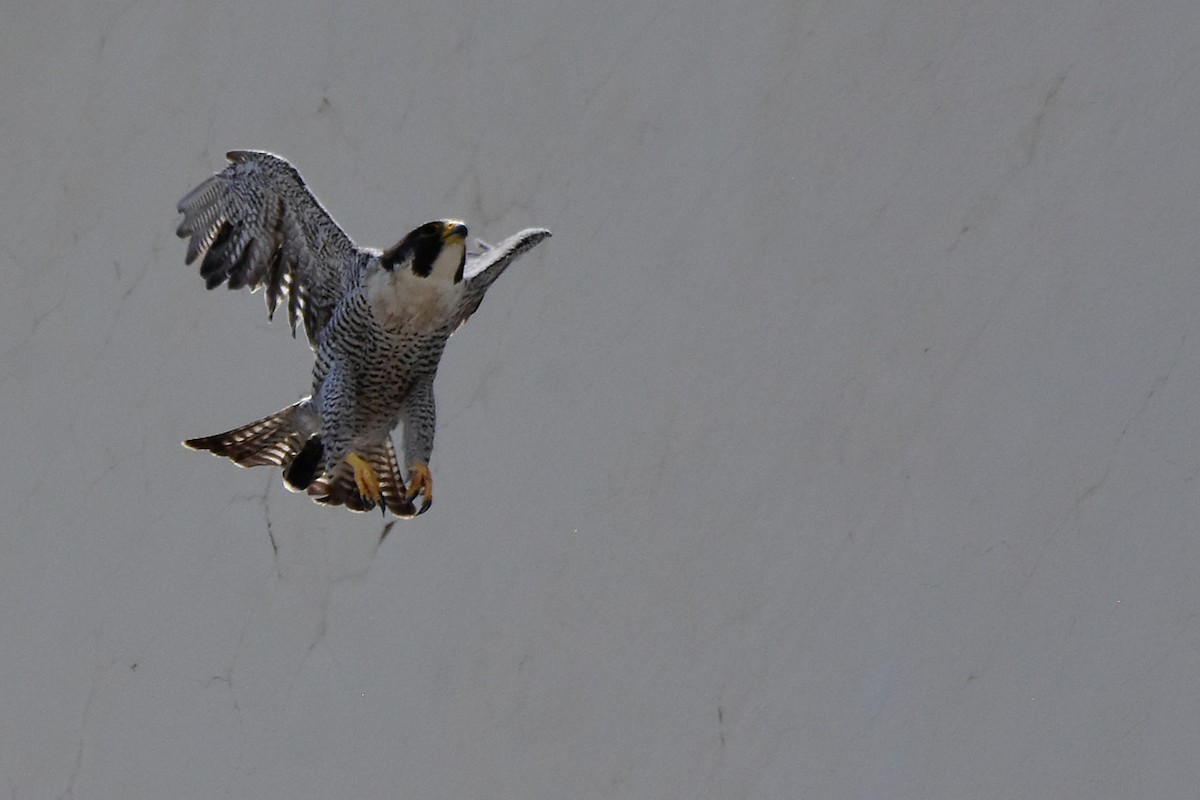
293	305
215	267
274	278
242	272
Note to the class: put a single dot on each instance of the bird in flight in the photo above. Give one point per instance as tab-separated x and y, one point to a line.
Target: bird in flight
377	322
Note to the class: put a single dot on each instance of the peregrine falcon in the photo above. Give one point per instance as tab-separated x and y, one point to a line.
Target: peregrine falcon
377	322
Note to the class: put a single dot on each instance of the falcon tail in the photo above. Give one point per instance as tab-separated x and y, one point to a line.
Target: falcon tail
271	441
337	487
283	440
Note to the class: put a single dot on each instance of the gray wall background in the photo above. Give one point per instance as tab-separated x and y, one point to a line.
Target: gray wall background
841	443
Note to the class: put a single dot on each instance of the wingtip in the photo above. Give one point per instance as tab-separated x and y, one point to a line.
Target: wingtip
238	156
531	236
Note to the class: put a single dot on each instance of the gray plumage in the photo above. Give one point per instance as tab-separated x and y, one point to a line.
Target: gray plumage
378	322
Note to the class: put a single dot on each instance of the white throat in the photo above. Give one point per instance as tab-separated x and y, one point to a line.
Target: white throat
402	300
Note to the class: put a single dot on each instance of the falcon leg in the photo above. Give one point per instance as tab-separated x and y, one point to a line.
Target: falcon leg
364	478
418	414
420	484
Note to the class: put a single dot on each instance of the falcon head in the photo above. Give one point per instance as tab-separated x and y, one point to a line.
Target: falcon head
435	250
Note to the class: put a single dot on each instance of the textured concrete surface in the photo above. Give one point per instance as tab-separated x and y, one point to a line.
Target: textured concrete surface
841	443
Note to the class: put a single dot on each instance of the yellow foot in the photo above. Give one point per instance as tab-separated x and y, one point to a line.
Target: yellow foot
365	478
420	484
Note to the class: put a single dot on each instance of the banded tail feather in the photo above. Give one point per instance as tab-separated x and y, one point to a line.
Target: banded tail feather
283	440
337	487
270	441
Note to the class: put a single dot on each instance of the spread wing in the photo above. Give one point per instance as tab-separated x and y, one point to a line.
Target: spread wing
257	225
482	268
